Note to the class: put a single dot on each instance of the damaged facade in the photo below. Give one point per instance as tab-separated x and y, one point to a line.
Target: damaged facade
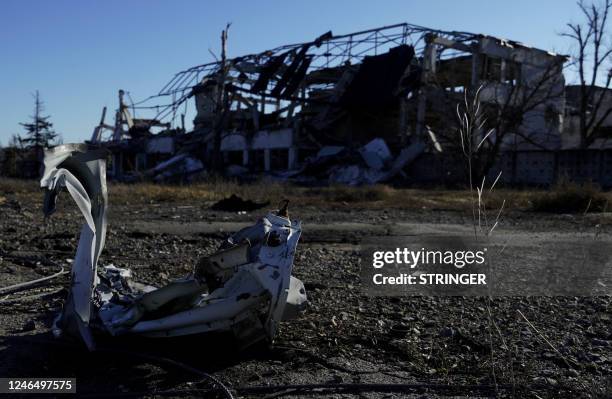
379	100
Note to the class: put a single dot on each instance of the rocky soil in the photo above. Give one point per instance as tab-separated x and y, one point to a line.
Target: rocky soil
434	346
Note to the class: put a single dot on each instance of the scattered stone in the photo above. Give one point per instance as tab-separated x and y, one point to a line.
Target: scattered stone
600	342
236	204
447	332
29	326
400	330
572	373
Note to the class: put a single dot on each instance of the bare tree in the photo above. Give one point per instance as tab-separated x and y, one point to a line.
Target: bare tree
593	60
513	102
500	115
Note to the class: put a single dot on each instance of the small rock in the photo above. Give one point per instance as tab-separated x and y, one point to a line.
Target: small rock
584	322
572	373
545	381
447	332
400	330
29	326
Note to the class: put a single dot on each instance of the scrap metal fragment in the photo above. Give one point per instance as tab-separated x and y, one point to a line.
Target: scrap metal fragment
245	288
83	173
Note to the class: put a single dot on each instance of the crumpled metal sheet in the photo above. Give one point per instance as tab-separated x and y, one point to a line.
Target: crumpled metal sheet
262	282
246	288
83	173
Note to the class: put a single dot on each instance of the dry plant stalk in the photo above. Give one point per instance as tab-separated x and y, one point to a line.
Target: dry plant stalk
471	124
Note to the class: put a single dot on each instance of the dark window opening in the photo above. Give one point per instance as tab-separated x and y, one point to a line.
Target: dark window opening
512	73
257	160
233	157
491	68
279	159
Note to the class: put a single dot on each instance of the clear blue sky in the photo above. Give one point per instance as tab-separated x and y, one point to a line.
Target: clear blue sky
79	53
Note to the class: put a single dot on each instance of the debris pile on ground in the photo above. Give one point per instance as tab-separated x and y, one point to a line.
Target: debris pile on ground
178	167
370	164
245	288
234	203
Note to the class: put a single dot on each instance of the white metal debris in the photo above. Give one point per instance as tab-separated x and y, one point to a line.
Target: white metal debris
378	164
178	165
376	153
245	288
83	174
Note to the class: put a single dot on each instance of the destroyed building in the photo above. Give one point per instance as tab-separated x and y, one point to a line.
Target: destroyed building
378	100
571	126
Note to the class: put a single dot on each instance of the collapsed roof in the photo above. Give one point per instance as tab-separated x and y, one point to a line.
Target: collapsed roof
275	109
329	69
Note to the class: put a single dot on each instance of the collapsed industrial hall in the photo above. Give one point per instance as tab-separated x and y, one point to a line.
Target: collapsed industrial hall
361	108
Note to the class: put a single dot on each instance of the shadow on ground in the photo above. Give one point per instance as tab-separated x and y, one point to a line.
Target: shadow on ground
128	364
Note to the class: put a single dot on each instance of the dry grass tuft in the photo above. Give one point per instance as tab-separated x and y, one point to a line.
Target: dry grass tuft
197	192
11	186
571	198
353	194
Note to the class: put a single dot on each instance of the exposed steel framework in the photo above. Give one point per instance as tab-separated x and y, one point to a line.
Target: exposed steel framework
327	51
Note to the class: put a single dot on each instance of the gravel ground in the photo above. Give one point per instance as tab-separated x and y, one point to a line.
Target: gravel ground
437	346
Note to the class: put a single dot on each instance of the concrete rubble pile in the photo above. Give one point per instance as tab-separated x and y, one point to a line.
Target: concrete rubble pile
371	164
